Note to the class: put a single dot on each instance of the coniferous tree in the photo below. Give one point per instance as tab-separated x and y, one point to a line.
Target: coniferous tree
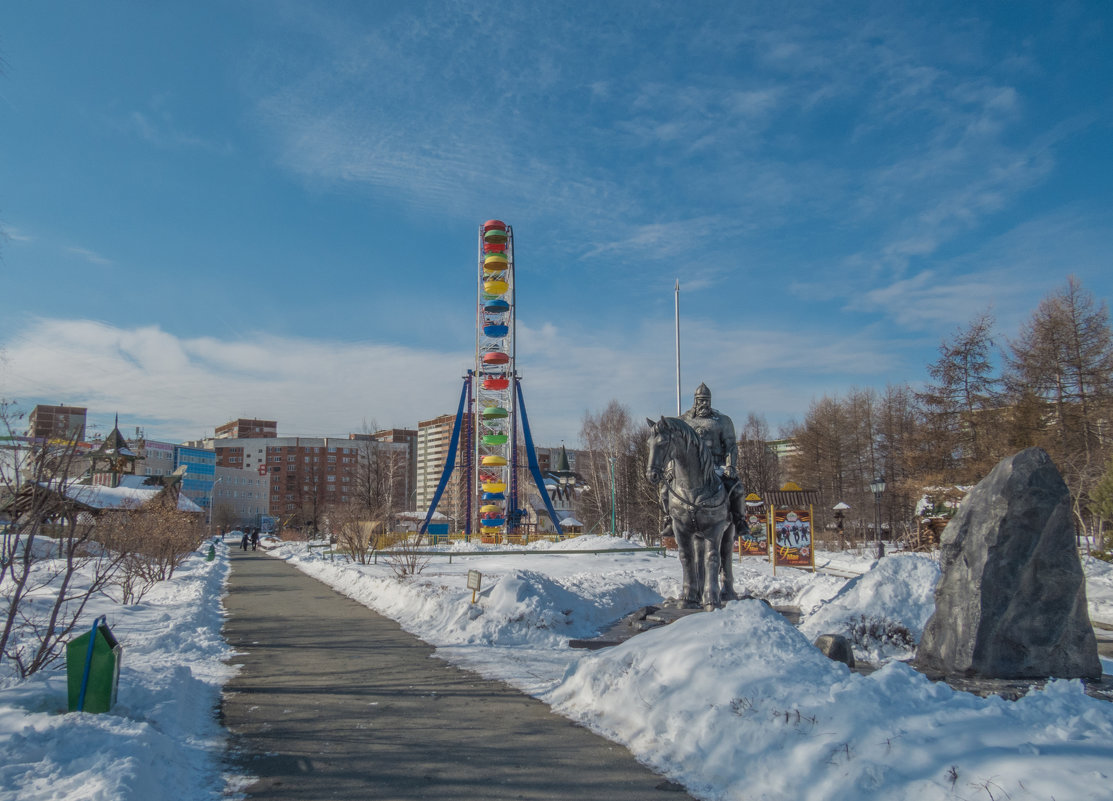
960	405
1062	363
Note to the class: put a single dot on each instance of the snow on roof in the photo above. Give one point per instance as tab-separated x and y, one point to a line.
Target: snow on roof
570	521
123	497
420	516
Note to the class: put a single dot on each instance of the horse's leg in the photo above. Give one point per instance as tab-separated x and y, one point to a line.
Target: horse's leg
687	565
686	540
726	560
712	598
699	569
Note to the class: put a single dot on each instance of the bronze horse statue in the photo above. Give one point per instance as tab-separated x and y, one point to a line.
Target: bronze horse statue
700	512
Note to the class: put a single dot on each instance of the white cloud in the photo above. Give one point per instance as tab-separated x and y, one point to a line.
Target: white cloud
193	385
182	388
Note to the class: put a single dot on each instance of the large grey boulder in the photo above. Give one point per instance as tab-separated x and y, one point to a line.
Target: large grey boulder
1011	602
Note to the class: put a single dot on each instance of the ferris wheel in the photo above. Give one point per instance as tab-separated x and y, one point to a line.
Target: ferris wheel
492	409
495	376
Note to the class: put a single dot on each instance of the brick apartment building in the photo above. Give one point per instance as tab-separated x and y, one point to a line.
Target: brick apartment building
308	475
65	423
247	429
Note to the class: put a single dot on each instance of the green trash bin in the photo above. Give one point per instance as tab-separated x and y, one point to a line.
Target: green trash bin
93	669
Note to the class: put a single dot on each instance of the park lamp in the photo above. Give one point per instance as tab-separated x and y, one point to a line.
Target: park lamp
878	487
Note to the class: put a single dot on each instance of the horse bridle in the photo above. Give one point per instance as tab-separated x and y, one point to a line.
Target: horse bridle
690	504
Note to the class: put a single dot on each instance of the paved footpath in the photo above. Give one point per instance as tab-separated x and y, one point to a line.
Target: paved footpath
336	701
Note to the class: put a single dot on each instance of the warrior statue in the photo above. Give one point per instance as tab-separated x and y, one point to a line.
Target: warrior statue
717	432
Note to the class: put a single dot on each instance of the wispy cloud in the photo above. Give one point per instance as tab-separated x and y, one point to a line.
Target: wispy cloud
15	234
90	256
157	125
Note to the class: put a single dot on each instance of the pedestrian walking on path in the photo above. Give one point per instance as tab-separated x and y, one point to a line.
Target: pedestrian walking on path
336	701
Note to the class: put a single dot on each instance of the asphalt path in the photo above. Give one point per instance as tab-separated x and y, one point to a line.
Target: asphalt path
336	701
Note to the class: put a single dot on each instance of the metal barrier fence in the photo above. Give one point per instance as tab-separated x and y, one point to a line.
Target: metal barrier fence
659	551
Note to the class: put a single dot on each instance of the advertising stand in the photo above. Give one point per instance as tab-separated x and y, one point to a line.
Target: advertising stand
792	517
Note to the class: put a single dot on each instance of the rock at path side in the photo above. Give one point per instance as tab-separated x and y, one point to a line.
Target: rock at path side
837	647
1011	602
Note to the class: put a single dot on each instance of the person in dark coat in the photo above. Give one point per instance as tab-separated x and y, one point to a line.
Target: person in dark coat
254	538
243	542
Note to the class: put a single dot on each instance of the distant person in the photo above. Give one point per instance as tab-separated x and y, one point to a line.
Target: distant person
243	542
254	538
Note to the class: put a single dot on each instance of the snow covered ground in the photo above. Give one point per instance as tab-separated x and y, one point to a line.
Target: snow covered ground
733	704
163	731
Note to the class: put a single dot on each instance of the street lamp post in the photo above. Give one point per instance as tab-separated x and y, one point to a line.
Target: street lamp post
878	487
840	512
611	460
212	503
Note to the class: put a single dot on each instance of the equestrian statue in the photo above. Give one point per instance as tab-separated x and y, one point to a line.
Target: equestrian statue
692	458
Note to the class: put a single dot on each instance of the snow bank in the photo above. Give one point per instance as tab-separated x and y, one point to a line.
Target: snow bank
163	731
737	704
882	612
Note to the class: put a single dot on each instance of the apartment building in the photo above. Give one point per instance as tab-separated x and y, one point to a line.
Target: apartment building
154	458
197	483
66	423
408	437
247	429
240	497
306	474
433	438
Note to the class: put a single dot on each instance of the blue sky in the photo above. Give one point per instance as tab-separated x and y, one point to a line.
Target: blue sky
269	209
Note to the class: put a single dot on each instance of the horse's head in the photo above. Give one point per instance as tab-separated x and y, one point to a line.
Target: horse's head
659	443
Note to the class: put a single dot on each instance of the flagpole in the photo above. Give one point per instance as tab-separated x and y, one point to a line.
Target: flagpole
677	304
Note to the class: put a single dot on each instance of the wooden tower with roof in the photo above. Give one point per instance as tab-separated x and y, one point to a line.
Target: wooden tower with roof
114	458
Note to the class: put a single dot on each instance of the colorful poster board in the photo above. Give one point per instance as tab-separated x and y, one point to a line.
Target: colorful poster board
792	538
756	541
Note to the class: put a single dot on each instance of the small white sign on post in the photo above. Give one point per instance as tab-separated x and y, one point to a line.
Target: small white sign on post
475	582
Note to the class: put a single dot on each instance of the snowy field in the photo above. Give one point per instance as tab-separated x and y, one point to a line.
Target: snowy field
734	704
162	733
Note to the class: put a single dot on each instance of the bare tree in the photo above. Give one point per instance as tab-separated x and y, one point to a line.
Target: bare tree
1101	507
378	490
52	565
615	468
758	468
355	534
152	541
